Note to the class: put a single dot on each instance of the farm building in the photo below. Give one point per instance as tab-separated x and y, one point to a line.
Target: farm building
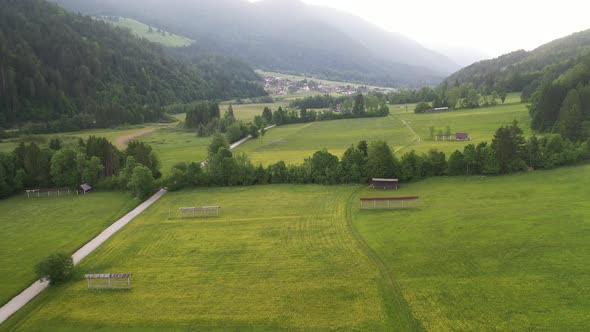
380	183
452	137
462	137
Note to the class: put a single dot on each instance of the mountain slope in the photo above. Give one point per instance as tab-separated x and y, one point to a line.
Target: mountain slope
522	70
75	72
387	45
286	35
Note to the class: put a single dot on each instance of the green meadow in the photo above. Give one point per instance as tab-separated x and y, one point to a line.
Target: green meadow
247	112
31	229
294	143
479	254
278	258
480	124
489	253
173	146
142	30
118	136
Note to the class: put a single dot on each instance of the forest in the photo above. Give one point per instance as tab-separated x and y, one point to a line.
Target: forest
64	72
522	71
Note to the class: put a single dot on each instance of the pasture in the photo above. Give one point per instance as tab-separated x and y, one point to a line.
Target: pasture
31	229
279	257
247	112
480	124
119	136
173	146
495	253
294	143
142	30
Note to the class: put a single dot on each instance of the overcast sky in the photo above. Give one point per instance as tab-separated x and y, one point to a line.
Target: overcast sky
493	26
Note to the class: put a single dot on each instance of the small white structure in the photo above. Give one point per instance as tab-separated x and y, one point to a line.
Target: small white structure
199	211
109	280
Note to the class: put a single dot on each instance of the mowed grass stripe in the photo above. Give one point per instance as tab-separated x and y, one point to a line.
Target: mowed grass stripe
399	313
217	274
495	253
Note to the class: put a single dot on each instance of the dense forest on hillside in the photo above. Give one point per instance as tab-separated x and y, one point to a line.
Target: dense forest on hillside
563	104
65	71
525	71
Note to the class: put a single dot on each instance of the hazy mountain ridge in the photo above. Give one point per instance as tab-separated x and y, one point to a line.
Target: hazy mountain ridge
288	36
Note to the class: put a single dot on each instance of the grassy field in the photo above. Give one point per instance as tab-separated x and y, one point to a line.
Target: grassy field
495	253
173	146
142	30
481	124
279	257
117	136
31	229
294	143
247	112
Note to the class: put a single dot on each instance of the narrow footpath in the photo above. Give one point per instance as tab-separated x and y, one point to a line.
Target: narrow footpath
417	138
36	288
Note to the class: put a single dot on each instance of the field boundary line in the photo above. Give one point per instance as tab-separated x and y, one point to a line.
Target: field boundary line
19	301
403	312
417	138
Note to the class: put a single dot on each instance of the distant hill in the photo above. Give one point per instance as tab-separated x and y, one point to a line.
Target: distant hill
522	70
62	71
286	36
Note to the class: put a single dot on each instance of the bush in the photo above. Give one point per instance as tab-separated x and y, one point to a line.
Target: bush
142	182
422	107
56	268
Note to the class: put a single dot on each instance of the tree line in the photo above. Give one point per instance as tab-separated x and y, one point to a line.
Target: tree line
95	161
508	152
137	168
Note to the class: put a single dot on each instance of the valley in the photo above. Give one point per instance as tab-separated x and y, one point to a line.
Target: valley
287	165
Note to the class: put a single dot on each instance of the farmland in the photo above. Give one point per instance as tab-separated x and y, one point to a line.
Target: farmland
30	229
142	30
278	257
294	143
479	123
173	146
286	257
118	136
496	253
247	112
